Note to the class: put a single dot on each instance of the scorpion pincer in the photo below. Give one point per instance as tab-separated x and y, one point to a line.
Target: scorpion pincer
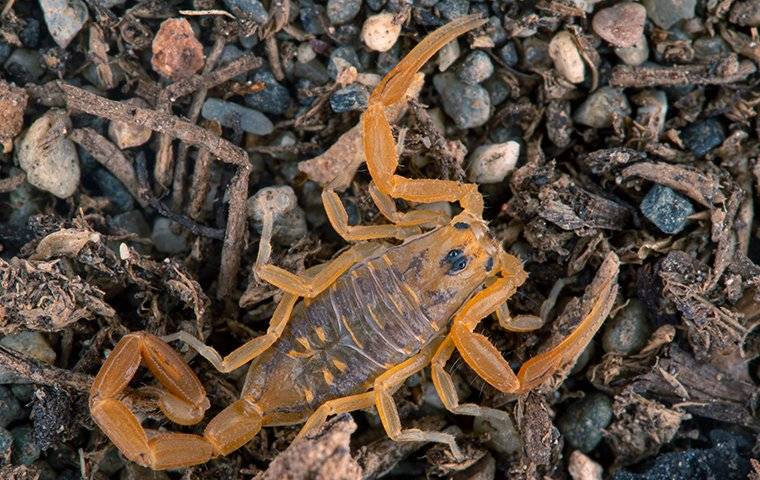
375	315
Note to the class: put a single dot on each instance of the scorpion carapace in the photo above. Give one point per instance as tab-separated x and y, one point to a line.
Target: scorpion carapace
371	317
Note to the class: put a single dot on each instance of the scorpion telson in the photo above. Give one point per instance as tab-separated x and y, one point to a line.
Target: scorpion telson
376	314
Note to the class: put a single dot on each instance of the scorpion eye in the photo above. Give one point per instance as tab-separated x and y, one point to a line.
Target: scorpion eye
459	265
453	254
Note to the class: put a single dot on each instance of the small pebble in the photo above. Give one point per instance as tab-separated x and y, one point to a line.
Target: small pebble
666	13
667	209
468	105
177	53
451	9
305	53
583	420
311	16
30	34
703	136
25	451
342	58
112	188
508	54
628	331
24	392
475	68
64	19
536	54
342	11
274	98
232	115
231	53
567	59
707	47
164	238
498	91
351	98
559	122
32	344
622	24
492	163
636	54
126	135
289	218
600	107
48	157
130	222
313	71
380	32
653	109
581	467
746	13
12	106
504	437
448	55
10	408
24	66
5	51
253	9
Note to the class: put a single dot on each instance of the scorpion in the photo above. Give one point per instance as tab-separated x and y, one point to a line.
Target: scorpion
369	319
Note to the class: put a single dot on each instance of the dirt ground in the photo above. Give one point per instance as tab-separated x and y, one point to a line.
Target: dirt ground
147	146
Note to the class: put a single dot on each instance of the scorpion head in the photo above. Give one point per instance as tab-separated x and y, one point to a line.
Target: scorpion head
448	264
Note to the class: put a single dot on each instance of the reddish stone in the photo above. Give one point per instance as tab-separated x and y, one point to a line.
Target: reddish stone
177	54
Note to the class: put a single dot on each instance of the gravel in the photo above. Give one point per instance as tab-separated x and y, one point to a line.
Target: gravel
636	54
666	13
25	451
10	408
468	105
667	209
600	107
274	98
566	57
24	66
232	115
342	11
126	135
628	331
64	19
492	163
583	420
703	136
380	32
475	68
164	238
351	98
622	24
50	159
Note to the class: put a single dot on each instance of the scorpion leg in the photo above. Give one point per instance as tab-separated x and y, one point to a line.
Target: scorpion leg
387	208
519	323
447	392
333	407
379	145
483	357
387	383
314	281
251	349
338	217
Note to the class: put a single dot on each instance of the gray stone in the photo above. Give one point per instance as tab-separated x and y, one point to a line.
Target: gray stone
31	344
703	136
351	98
6	445
667	209
5	51
274	98
10	408
164	238
48	157
468	105
24	66
232	115
636	54
599	109
666	13
475	68
448	55
25	450
451	9
342	11
253	9
498	91
64	19
281	202
582	421
311	15
492	163
508	54
503	436
628	331
342	58
131	222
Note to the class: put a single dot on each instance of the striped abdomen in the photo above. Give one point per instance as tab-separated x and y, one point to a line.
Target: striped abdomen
337	344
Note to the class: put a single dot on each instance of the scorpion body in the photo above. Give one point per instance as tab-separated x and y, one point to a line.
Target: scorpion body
377	314
370	318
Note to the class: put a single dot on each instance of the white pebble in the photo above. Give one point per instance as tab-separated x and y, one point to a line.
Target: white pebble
50	159
567	59
448	55
305	53
492	163
380	32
